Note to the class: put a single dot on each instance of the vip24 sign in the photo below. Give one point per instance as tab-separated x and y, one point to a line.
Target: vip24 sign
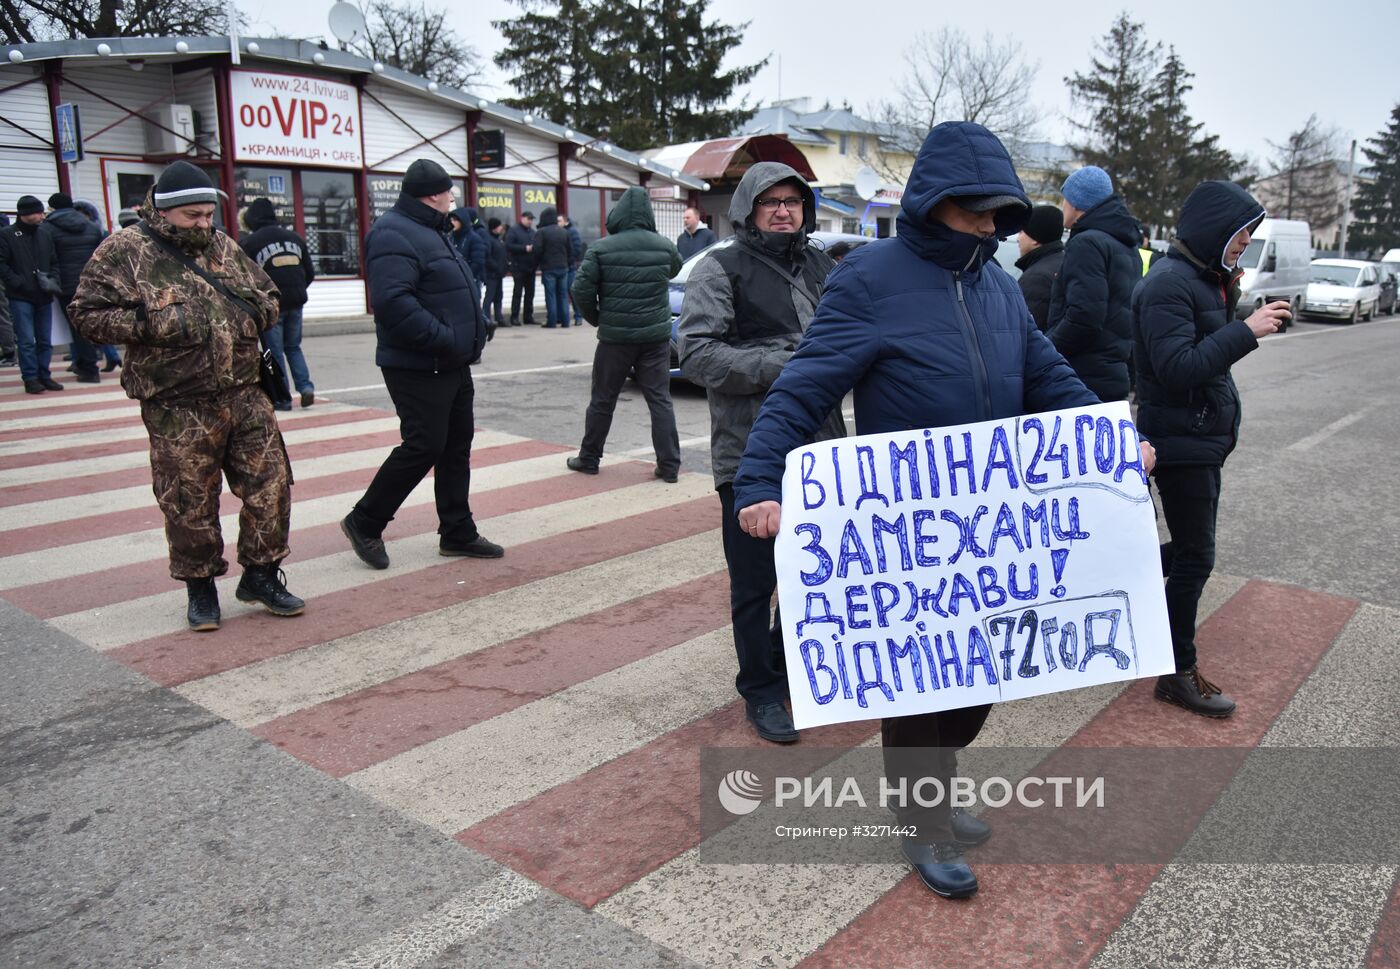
929	570
294	118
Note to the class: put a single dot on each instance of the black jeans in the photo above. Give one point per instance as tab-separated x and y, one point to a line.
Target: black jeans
495	293
435	421
1190	502
524	289
612	362
927	745
752	580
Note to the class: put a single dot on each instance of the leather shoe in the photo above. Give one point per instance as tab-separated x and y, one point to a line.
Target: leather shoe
89	378
50	384
1192	691
941	867
772	722
33	387
478	548
267	584
579	464
670	477
112	364
308	397
969	831
370	548
203	612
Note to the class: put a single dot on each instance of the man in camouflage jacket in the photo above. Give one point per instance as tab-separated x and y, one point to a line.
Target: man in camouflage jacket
193	362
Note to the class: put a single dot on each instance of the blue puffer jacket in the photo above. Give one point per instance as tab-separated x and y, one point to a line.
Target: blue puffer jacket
471	240
1187	335
927	329
427	312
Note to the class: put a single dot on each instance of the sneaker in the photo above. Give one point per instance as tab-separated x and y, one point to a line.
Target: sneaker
1192	691
50	384
771	721
33	387
941	867
308	397
478	548
8	360
268	584
370	548
670	477
582	466
203	612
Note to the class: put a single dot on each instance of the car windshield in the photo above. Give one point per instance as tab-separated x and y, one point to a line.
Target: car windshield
1335	275
1250	259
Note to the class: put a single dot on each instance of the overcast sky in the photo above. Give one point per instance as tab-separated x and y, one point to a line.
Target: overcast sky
1261	67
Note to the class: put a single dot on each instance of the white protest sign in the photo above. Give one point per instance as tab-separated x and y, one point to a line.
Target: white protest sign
293	118
933	569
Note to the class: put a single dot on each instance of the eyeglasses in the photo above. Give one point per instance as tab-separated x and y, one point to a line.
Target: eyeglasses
792	203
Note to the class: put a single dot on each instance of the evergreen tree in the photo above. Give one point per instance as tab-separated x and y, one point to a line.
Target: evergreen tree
1377	204
642	74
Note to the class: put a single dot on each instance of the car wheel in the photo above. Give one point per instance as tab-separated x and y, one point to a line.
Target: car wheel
1355	315
1370	314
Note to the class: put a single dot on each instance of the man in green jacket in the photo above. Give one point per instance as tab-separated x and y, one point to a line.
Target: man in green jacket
621	289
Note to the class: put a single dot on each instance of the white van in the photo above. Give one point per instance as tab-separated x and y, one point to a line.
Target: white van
1276	266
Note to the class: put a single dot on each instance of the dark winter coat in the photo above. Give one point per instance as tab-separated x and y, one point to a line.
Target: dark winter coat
552	249
1039	267
25	250
576	246
1091	303
1187	337
517	238
689	244
470	242
282	255
427	308
746	307
497	259
925	327
623	286
75	239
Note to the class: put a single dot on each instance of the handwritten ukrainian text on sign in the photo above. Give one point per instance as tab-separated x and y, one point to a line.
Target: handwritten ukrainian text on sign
934	569
297	119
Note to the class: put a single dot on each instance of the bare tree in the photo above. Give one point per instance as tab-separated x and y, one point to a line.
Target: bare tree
949	77
1304	183
416	38
31	21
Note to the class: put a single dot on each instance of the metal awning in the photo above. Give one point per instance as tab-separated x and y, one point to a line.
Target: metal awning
728	158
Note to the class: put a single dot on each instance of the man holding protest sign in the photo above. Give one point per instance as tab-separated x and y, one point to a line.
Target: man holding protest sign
929	332
745	309
1188	407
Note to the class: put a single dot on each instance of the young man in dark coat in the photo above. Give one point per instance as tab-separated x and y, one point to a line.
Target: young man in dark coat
283	256
497	259
1188	406
746	307
929	332
520	245
470	243
552	254
622	289
1090	305
576	250
75	239
27	253
430	328
1042	254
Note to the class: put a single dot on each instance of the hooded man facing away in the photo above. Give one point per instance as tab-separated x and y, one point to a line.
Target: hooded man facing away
929	332
746	307
622	289
1188	407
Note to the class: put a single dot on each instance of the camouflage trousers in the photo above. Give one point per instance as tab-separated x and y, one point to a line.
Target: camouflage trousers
195	443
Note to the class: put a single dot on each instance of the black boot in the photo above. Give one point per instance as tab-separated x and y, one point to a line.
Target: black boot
266	584
203	613
969	831
1193	691
941	867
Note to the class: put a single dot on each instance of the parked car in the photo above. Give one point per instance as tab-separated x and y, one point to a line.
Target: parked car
1276	266
1345	289
824	240
1390	286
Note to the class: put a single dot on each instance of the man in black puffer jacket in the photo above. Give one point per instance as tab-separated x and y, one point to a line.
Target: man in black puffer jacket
283	255
1090	319
75	239
553	254
427	315
1042	255
1187	338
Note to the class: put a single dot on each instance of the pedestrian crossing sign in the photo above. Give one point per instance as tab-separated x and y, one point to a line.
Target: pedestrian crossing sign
69	132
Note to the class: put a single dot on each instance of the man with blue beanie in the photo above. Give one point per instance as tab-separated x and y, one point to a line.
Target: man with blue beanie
929	332
1090	319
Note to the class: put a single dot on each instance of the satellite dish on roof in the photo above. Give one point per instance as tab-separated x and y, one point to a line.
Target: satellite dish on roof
867	182
347	23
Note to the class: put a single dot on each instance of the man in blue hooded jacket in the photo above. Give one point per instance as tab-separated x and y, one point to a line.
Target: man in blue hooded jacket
1188	406
930	332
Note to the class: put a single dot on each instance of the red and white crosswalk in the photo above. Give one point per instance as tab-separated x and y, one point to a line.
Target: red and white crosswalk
548	709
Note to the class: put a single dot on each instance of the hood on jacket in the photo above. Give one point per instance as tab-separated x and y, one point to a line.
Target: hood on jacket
259	214
463	215
1111	217
548	215
958	158
632	211
1210	217
68	220
759	178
